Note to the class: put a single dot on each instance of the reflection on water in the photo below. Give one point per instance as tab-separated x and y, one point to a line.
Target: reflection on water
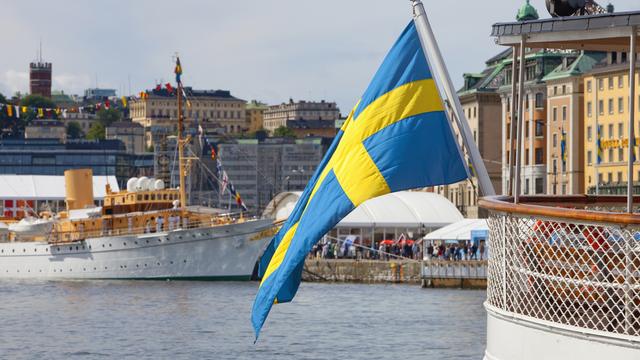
100	319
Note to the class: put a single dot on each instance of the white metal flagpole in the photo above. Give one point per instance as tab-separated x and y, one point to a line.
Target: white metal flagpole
441	76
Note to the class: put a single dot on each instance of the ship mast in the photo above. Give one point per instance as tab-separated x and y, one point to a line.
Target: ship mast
181	166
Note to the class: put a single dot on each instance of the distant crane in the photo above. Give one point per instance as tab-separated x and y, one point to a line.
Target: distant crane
576	8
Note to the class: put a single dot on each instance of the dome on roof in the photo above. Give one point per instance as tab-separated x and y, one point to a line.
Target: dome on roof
527	12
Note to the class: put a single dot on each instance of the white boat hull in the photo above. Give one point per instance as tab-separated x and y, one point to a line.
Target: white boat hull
226	252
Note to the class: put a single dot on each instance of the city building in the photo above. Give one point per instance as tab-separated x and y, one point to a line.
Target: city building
313	128
533	158
481	105
606	107
46	129
130	133
99	94
213	110
278	115
84	119
565	123
260	169
52	157
255	115
40	78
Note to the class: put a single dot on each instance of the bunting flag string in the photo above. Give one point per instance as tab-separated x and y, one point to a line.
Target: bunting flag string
225	184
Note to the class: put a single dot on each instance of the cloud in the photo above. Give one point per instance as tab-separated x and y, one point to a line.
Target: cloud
71	83
12	81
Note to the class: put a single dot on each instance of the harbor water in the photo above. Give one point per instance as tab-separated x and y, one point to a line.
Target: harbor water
205	320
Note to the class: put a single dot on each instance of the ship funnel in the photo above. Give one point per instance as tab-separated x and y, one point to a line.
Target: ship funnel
79	188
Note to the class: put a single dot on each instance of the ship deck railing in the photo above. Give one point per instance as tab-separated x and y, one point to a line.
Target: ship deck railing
566	260
58	237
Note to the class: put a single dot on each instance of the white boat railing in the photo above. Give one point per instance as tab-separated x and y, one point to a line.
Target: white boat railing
174	224
559	260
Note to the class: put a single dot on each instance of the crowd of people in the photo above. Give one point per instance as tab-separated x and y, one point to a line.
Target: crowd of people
388	250
344	250
456	251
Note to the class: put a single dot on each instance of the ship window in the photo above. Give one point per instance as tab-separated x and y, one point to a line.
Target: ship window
146	196
153	196
165	196
139	197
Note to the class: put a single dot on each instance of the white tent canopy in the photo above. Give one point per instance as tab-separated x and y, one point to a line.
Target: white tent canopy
405	209
408	209
47	187
460	230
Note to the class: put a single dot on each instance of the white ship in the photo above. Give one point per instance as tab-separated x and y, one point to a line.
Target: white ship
143	232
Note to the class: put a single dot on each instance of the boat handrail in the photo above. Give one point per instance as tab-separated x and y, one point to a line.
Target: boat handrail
592	208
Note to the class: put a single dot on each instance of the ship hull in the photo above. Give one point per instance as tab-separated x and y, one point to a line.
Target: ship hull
227	252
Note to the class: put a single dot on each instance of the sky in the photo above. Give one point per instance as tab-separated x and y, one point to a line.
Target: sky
269	50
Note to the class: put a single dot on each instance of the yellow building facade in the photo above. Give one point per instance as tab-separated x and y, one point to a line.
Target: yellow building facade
606	106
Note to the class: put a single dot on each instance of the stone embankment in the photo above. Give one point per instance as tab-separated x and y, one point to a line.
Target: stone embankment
445	274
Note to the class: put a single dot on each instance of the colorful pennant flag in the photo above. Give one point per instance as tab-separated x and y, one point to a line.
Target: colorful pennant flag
178	70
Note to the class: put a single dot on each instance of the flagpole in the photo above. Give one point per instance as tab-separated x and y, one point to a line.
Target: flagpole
597	142
434	57
632	112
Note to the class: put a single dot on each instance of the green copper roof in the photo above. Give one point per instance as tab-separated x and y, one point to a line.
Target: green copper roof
582	64
527	12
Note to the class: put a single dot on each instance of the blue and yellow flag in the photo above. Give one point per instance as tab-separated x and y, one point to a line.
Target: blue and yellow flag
563	146
599	145
397	137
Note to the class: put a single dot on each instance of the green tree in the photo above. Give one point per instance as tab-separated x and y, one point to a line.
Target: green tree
74	131
283	131
35	101
96	132
108	116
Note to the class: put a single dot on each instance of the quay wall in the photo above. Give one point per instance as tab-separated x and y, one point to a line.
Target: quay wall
437	274
362	271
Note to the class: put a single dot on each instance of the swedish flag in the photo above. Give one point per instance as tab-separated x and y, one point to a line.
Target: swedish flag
397	137
599	145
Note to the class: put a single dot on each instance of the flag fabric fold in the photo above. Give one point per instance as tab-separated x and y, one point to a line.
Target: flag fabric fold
397	137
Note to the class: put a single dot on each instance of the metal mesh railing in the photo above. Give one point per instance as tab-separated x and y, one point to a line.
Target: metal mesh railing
566	271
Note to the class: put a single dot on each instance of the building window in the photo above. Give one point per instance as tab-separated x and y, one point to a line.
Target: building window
526	156
526	186
620	105
619	176
610	131
600	178
610	106
589	109
620	154
620	130
564	89
555	140
600	84
564	113
554	115
539	156
611	155
526	129
539	186
610	82
589	160
539	128
555	90
609	178
588	85
601	107
620	81
539	100
588	133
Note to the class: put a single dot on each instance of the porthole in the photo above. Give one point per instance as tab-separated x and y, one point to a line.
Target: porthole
124	244
109	245
185	261
89	247
147	241
171	262
145	265
158	264
76	247
102	245
84	269
105	268
95	269
70	248
159	240
13	250
135	242
24	250
137	265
